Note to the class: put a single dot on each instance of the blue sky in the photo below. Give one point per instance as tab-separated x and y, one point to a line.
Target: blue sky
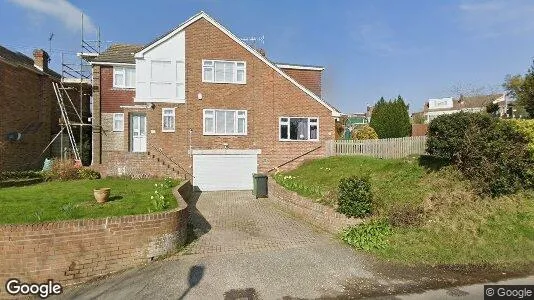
416	48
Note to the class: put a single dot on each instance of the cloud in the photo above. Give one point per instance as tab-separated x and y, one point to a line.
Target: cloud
61	10
494	18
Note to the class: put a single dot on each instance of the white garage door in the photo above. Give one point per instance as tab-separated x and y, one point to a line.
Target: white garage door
216	171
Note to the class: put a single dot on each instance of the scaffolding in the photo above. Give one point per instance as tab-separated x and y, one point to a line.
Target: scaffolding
76	70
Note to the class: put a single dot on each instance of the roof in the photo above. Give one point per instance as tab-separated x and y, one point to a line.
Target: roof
299	66
20	59
479	101
119	53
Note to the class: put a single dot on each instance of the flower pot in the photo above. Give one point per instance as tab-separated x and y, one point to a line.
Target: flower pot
102	195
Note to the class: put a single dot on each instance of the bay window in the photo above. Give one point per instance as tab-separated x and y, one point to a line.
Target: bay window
222	71
225	122
299	129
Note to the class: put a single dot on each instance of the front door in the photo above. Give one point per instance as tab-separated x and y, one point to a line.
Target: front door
138	122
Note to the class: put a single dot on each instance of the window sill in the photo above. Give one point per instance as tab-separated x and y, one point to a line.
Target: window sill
224	134
168	130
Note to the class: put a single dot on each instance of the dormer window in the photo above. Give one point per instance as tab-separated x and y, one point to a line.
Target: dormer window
224	71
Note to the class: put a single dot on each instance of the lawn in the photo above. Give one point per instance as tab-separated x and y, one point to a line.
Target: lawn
456	226
63	200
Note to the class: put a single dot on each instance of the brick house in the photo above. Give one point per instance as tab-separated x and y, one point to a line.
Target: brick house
29	108
198	102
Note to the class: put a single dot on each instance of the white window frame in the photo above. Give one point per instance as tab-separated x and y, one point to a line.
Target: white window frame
236	120
234	75
122	70
173	109
288	123
116	129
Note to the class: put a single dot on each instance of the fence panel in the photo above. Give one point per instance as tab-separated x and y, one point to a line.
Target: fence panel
383	148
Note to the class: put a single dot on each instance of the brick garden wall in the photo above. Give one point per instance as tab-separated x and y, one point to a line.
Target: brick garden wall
318	214
75	251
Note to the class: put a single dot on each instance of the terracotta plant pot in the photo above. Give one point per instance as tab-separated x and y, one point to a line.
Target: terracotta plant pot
102	195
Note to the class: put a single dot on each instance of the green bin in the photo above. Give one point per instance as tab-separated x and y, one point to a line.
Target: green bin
259	189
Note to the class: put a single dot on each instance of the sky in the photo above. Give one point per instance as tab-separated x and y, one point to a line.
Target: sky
418	49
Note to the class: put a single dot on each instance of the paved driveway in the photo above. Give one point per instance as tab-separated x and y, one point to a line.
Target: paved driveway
247	248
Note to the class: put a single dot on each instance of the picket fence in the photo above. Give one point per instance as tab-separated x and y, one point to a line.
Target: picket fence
383	148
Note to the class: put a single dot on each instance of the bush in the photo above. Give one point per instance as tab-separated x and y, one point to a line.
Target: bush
7	175
495	157
63	170
446	133
355	196
87	173
364	132
526	128
390	119
367	236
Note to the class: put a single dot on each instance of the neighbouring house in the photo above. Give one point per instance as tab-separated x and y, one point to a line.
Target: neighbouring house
442	106
352	121
30	114
198	102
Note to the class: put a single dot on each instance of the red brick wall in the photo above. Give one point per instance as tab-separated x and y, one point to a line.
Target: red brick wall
266	96
419	129
311	79
75	251
25	97
114	97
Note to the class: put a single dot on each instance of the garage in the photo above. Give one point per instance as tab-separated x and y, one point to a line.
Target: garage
218	170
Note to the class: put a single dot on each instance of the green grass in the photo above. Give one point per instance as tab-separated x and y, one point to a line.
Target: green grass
63	200
458	227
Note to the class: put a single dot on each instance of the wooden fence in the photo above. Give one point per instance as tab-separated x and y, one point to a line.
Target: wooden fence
383	148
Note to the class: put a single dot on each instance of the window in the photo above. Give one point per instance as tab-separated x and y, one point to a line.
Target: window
225	122
221	71
118	122
124	77
167	119
299	129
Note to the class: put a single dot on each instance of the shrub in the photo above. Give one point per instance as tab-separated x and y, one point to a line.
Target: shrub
446	133
355	196
88	173
7	175
390	119
364	132
495	158
525	127
63	170
367	236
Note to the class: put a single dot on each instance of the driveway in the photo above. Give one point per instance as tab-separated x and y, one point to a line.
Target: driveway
246	247
249	249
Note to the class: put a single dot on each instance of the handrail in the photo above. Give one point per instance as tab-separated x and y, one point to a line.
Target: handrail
293	159
170	159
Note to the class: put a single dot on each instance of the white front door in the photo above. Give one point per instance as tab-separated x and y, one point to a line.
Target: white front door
138	132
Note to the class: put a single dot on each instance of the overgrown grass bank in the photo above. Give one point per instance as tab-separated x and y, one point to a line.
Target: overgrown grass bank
63	200
437	217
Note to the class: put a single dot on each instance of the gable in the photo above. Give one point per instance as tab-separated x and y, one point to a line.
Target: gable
204	16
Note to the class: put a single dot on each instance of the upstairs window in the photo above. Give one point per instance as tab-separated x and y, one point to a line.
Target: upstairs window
118	122
225	122
223	71
168	119
299	129
124	77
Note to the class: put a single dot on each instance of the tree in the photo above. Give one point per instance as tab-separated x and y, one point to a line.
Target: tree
522	88
492	109
390	119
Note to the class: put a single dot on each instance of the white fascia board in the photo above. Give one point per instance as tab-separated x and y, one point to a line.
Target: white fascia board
226	151
296	67
157	100
202	14
103	63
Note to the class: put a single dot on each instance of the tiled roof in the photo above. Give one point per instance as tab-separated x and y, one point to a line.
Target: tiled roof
119	53
17	58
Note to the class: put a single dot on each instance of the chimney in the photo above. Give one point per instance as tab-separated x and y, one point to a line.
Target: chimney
40	59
